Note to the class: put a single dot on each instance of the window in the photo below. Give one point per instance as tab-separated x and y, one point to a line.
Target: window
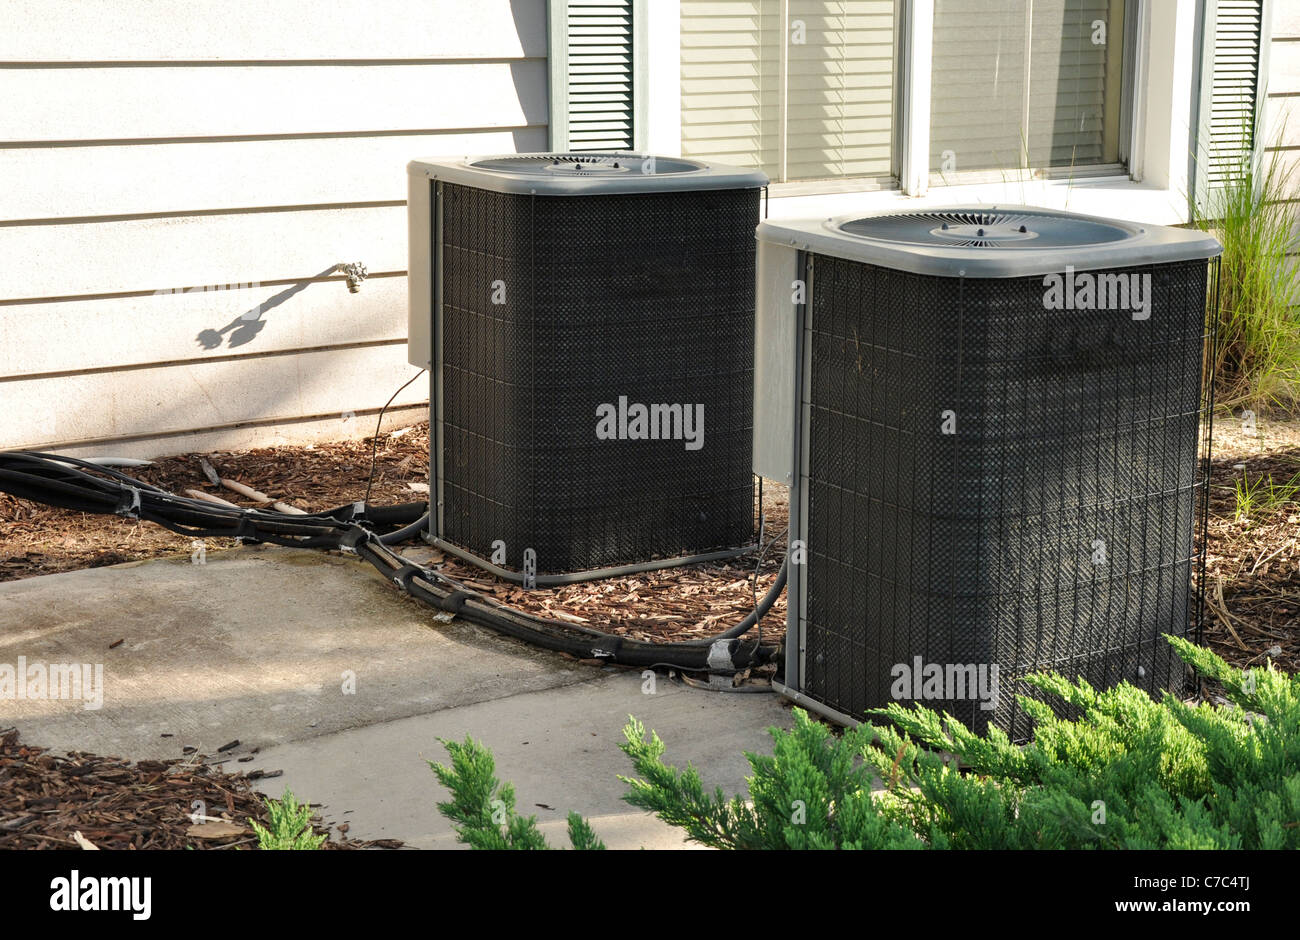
801	89
810	90
1025	84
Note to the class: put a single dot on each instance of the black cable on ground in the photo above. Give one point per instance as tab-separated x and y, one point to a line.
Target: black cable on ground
407	532
403	517
70	484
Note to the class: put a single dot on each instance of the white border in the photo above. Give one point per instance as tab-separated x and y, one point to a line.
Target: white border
917	48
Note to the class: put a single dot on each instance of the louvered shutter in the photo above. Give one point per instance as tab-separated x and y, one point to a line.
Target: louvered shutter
1025	83
1236	37
594	74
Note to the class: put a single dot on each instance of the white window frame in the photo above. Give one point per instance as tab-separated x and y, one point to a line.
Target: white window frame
1159	127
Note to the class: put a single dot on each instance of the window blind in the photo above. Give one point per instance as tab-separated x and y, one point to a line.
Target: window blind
840	98
731	82
1025	83
801	89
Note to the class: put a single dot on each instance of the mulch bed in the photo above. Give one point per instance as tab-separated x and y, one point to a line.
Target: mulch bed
664	606
37	539
1253	585
1253	564
669	605
45	800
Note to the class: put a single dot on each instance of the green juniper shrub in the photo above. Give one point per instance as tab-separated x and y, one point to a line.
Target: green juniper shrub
482	808
290	825
1129	773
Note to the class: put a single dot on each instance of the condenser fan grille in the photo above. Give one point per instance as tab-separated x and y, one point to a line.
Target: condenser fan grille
593	165
993	228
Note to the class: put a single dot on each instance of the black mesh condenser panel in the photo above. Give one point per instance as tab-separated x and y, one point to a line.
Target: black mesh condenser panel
994	480
562	317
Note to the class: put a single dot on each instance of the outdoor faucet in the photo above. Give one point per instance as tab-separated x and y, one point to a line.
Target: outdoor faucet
356	272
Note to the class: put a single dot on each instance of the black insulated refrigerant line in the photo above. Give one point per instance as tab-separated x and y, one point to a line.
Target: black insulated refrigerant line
71	483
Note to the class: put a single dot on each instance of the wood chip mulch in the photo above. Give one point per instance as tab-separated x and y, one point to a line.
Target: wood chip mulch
83	800
664	606
1253	564
37	539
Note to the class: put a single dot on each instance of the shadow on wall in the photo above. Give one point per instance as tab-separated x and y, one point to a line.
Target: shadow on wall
245	327
530	18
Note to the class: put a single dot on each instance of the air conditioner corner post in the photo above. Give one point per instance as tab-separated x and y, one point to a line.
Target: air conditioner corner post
419	288
795	634
437	526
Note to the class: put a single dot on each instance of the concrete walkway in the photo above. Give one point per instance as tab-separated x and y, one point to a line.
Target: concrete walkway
345	685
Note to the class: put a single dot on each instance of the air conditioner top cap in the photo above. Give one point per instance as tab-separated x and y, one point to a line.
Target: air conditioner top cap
990	241
577	174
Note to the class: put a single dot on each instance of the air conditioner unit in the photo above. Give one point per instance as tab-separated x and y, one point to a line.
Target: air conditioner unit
990	420
588	323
